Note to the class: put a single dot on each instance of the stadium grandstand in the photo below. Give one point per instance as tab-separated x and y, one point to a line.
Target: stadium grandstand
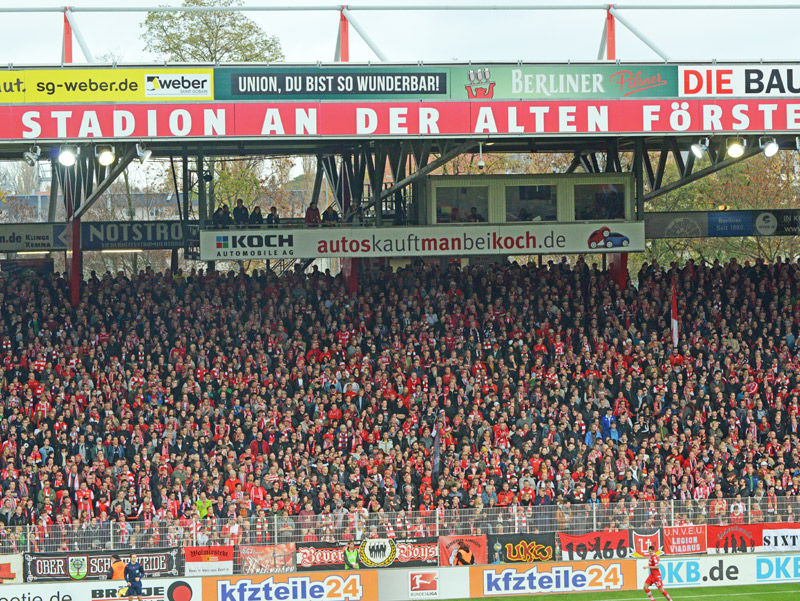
209	408
390	361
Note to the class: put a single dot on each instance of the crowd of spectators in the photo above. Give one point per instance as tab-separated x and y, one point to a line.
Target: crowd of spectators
211	407
243	217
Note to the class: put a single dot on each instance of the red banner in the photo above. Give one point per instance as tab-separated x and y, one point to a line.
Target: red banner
595	545
739	538
267	559
679	540
397	119
449	547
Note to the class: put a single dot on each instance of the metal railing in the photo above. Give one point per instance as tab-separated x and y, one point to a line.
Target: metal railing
341	525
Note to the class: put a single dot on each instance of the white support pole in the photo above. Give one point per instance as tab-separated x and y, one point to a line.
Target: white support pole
364	35
78	36
638	33
601	52
337	53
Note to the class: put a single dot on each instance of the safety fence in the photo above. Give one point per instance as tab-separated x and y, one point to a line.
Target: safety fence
238	555
254	527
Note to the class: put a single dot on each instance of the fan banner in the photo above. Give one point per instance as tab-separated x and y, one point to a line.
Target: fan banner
735	538
595	545
642	540
681	540
450	545
267	559
208	561
525	548
372	553
95	565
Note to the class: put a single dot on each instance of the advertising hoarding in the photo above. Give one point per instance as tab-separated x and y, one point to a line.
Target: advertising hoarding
571	577
80	85
330	586
702	571
153	589
421	241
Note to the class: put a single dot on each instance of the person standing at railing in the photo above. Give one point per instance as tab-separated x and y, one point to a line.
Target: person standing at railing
256	218
240	213
312	215
330	216
272	217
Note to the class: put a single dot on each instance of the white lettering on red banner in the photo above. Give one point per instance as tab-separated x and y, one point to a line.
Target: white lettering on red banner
685	539
200	120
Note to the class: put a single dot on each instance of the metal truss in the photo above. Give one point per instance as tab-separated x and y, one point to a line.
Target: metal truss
82	184
685	162
356	175
648	160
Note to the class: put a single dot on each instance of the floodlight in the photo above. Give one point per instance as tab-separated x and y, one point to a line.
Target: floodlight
769	145
67	155
736	147
700	147
105	154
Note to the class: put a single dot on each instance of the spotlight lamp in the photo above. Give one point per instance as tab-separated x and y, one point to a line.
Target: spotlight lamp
105	154
769	145
31	156
700	147
67	155
736	147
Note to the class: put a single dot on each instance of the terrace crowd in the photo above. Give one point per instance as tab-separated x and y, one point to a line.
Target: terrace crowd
211	407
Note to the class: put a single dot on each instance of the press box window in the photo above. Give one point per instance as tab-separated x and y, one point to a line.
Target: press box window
462	204
599	202
531	203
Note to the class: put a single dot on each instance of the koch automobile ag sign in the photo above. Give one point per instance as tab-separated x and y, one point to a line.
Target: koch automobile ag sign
253	246
432	241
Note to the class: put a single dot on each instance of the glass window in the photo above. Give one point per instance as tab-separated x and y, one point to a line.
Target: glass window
462	204
531	203
599	202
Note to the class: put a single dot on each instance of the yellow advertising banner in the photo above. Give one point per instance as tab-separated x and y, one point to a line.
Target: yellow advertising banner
566	577
45	86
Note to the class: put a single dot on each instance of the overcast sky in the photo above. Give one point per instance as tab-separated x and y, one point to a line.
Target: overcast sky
436	36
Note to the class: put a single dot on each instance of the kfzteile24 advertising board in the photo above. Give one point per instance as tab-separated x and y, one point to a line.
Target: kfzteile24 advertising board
539	578
310	586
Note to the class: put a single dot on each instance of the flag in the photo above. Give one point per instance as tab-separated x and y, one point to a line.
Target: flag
674	321
436	451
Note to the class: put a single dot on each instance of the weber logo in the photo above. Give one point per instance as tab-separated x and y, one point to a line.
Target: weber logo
177	84
423	585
